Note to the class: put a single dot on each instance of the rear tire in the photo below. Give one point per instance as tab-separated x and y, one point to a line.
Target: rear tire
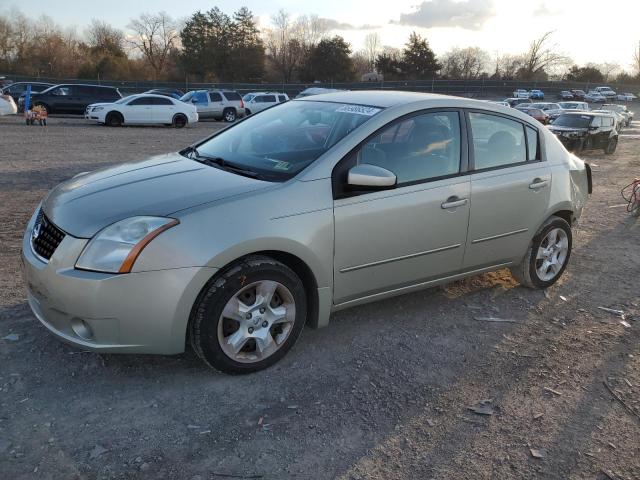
229	115
179	121
114	119
547	256
231	312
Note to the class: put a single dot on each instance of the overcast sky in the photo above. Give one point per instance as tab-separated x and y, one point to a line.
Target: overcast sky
586	30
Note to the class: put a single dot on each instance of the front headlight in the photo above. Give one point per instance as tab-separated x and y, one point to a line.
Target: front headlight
97	109
115	248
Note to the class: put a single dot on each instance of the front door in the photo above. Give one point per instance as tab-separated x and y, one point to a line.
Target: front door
139	110
415	232
510	188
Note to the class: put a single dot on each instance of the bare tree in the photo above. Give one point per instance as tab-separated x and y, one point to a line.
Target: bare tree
610	70
372	47
289	40
465	63
155	35
102	35
541	57
636	59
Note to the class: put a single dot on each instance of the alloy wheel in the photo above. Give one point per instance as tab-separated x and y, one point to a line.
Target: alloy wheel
552	254
256	321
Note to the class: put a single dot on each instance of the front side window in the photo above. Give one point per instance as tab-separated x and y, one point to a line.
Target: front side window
419	148
497	141
282	98
269	98
280	142
62	91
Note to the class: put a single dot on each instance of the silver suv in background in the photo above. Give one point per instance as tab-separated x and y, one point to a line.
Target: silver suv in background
224	105
257	101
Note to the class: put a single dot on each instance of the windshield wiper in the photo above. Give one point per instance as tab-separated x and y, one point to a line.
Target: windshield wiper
222	163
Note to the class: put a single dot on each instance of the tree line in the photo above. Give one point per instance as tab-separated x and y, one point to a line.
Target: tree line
213	46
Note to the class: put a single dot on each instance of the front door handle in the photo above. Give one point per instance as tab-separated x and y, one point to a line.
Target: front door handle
454	202
538	183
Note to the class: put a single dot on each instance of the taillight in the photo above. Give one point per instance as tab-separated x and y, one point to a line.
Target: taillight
241	103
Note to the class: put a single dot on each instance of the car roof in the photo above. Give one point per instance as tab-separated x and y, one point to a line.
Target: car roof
385	99
590	112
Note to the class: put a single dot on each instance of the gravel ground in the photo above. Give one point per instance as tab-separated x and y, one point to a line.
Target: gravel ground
382	393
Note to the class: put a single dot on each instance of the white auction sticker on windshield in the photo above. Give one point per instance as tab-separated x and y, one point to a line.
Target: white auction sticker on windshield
358	110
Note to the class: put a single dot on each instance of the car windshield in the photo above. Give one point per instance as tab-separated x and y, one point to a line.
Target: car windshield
248	97
283	140
187	96
124	99
576	121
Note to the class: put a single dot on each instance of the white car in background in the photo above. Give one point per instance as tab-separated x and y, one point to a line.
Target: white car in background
595	96
521	93
7	105
626	97
143	109
606	92
255	102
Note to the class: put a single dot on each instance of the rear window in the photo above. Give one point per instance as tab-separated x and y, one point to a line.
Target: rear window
232	96
573	121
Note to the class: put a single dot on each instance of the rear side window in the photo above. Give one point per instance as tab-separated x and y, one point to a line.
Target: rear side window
269	98
533	149
232	96
161	101
282	98
497	141
214	96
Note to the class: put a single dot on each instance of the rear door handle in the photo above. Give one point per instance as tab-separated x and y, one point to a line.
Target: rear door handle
453	202
538	183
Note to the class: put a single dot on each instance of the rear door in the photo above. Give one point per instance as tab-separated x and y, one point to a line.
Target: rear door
510	188
163	110
216	105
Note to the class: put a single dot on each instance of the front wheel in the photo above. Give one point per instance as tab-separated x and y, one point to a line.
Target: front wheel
547	255
249	317
611	146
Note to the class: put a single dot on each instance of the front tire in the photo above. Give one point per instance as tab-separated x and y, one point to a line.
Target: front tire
547	256
249	317
611	146
114	119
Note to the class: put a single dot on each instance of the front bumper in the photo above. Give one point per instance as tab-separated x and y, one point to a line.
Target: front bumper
145	312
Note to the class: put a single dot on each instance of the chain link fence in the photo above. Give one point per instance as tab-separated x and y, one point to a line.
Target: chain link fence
467	88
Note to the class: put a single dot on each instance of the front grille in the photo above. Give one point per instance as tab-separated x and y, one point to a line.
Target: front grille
45	236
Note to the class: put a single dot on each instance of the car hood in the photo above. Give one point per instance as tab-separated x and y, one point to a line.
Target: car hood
160	186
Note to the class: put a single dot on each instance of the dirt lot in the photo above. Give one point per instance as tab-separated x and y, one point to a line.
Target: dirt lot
382	393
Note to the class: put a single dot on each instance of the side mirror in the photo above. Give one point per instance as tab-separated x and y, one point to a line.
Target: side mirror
371	177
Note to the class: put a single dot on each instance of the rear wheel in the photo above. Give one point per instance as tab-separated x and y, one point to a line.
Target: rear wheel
229	115
611	146
547	255
114	119
249	317
179	121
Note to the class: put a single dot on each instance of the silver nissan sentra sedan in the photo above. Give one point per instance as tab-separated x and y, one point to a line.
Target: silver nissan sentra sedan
235	243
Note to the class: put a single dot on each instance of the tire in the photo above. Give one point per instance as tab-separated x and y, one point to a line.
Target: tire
229	115
209	325
611	146
528	271
114	119
247	111
179	121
